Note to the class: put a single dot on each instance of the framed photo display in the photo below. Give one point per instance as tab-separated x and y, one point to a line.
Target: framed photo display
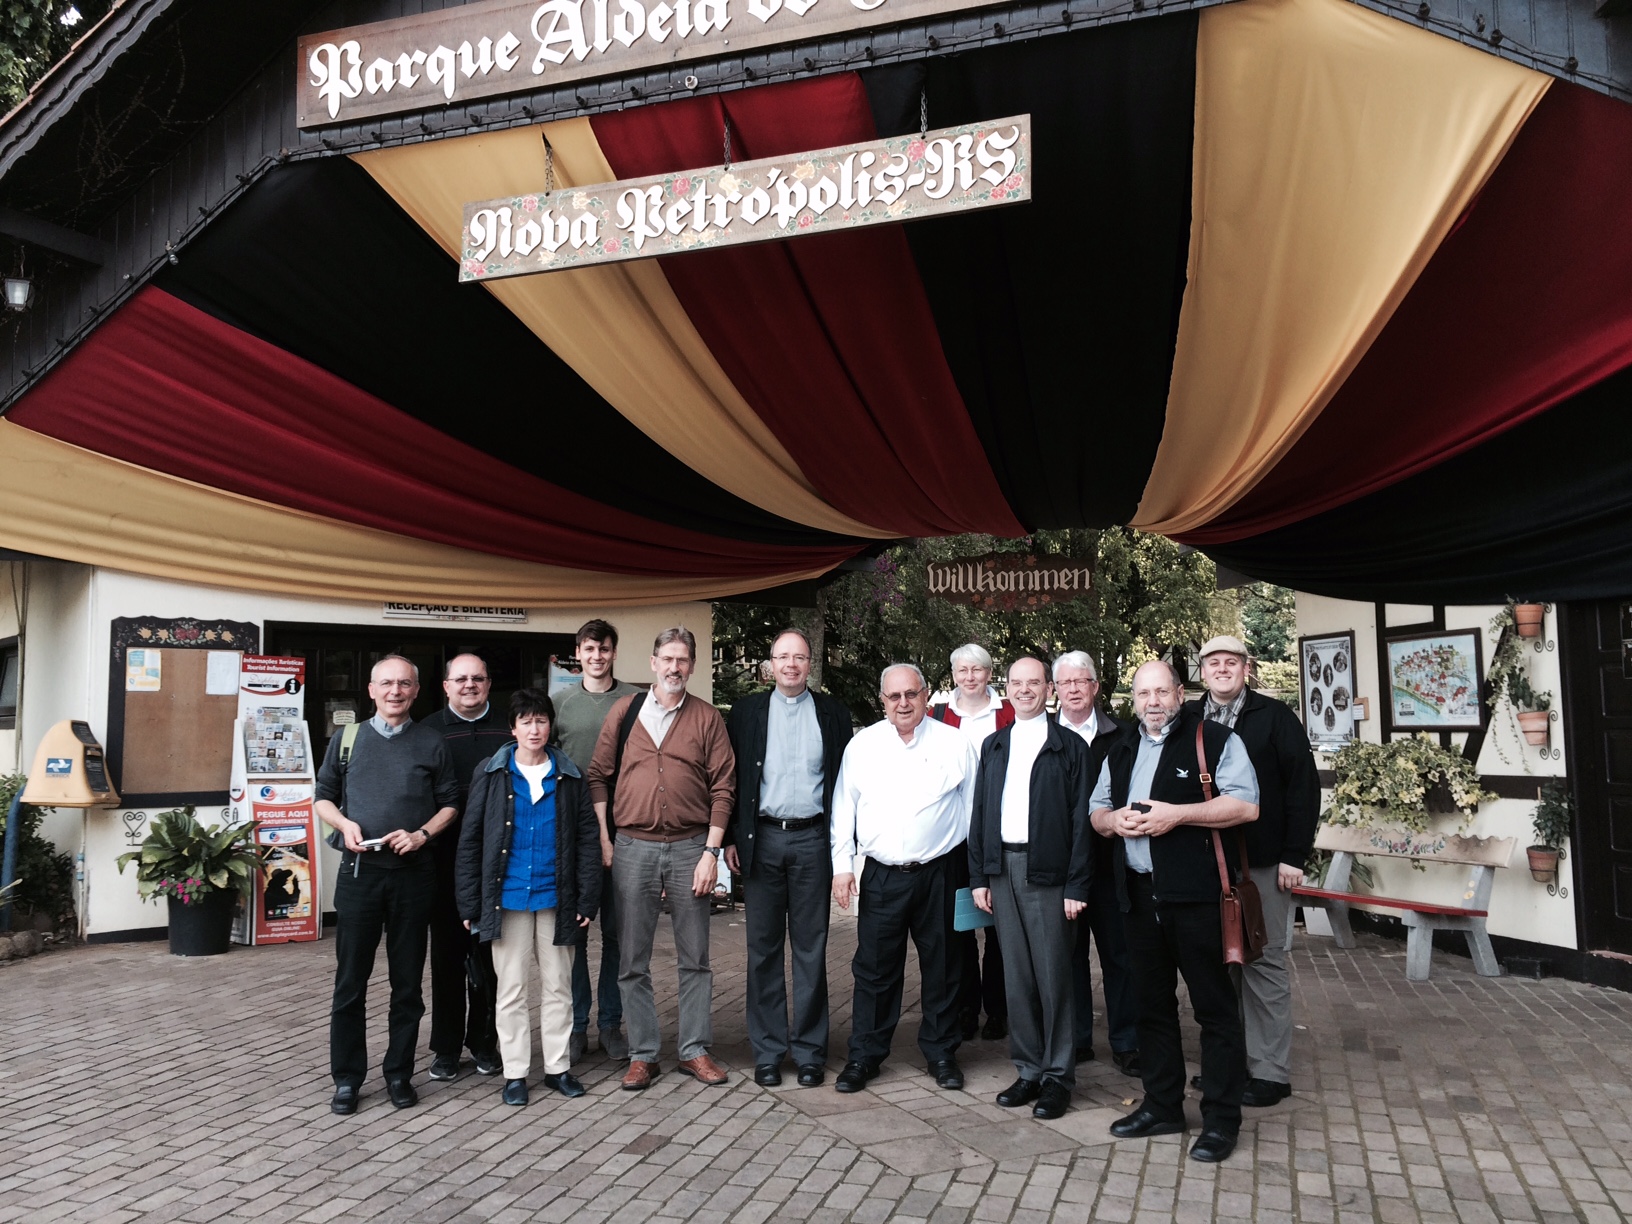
1326	682
1433	680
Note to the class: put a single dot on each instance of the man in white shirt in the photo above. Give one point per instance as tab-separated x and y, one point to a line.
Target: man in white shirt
1076	680
1029	852
902	799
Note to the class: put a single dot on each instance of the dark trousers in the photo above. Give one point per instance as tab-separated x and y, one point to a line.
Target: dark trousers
1103	920
980	979
894	905
1164	942
786	893
395	902
463	984
611	1010
1032	924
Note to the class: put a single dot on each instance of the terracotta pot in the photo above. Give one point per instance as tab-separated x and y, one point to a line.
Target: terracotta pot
1528	618
1534	725
1543	864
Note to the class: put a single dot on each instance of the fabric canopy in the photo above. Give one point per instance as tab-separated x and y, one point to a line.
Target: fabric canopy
1328	295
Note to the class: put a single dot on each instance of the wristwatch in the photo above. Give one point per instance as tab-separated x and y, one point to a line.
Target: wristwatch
714	850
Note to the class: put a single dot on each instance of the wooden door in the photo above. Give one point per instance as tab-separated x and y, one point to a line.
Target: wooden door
1597	643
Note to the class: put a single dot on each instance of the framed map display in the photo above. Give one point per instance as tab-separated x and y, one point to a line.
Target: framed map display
1433	681
1327	687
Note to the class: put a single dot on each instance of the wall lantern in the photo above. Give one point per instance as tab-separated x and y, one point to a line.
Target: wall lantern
19	292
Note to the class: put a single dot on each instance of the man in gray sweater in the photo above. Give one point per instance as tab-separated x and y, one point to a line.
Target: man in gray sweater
387	802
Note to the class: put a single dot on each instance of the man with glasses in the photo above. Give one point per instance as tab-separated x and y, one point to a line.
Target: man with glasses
580	710
789	743
1077	681
1151	801
463	985
392	798
902	799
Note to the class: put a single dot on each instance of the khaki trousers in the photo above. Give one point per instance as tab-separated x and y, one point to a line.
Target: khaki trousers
526	937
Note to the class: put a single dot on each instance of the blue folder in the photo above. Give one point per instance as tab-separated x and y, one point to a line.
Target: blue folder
968	916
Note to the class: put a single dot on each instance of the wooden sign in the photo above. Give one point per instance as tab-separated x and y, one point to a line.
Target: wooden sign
465	52
899	179
1010	581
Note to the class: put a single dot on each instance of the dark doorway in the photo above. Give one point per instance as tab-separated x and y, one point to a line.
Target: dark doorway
338	659
1597	644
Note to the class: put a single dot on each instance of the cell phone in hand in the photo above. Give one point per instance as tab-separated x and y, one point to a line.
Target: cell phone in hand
373	843
1140	807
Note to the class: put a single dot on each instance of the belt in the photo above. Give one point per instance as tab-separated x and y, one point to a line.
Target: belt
1016	847
905	868
790	826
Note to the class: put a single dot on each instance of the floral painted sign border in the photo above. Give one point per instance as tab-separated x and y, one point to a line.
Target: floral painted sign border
901	178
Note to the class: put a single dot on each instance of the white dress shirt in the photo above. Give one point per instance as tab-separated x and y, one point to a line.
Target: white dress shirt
1089	728
899	801
655	718
976	727
1026	740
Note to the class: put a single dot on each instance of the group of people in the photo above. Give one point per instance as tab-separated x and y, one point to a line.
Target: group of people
507	840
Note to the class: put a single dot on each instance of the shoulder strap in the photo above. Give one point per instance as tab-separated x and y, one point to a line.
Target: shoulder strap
630	717
1201	760
348	740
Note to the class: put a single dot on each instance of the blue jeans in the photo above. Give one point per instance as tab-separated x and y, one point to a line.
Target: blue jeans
611	997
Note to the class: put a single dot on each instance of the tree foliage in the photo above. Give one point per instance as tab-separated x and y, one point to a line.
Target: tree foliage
1148	598
35	34
45	876
1269	616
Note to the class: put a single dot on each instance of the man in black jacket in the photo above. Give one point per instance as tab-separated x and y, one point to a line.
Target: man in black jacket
473	733
1151	796
1278	845
1029	867
789	744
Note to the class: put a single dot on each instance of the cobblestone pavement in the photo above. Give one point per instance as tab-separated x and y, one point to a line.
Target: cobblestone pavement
139	1086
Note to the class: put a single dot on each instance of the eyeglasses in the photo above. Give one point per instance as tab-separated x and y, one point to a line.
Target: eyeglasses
903	695
787	658
467	679
1075	683
402	684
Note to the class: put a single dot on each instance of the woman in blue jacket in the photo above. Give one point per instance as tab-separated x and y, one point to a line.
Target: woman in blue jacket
528	880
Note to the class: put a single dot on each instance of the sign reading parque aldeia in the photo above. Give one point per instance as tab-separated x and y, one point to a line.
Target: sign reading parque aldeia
472	51
902	178
1010	580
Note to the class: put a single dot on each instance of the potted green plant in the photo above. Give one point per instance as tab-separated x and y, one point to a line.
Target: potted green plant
1551	821
1402	784
199	872
1509	678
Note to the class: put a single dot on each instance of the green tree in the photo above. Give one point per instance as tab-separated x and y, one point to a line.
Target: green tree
1269	614
35	34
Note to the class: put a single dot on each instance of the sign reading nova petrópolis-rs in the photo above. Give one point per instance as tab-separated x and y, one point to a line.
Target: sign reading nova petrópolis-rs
482	50
1010	581
901	178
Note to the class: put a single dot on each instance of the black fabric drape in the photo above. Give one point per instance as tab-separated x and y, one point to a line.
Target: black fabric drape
1059	317
1541	511
321	262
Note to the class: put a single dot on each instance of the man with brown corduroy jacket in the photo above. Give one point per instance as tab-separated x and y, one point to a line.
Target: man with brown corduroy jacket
663	781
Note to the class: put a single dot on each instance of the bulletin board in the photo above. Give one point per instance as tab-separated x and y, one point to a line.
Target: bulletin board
169	738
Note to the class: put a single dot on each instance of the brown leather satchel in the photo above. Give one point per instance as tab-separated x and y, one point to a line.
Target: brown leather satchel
1240	908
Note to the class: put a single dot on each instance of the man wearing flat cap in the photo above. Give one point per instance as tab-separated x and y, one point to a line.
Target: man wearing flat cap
1278	845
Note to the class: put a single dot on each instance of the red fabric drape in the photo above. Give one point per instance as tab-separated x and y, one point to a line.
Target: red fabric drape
170	388
830	339
1523	306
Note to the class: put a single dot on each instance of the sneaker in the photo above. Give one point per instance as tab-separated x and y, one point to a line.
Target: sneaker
488	1062
614	1044
445	1067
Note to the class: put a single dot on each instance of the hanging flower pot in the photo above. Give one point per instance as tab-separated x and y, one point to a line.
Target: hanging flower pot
1543	864
1527	619
1534	725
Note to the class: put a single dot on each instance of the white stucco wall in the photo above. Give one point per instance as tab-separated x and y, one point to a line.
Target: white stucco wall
70	614
1519	907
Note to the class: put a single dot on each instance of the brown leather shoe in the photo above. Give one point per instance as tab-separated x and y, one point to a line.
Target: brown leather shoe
641	1075
704	1070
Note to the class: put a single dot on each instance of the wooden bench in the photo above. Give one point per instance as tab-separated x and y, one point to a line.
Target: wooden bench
1482	855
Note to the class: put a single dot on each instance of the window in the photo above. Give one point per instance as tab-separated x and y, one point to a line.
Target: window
8	684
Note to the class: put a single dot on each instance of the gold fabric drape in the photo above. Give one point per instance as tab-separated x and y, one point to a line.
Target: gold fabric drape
619	326
59	500
1334	150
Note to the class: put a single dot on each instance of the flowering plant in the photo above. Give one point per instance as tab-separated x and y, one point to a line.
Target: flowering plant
1399	784
181	858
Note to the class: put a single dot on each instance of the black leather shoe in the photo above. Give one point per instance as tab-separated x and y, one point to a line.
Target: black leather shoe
445	1067
1141	1124
1054	1101
767	1075
566	1084
855	1075
1127	1062
1021	1092
402	1094
1212	1147
515	1092
1261	1093
811	1075
947	1075
996	1029
488	1063
1085	1054
345	1100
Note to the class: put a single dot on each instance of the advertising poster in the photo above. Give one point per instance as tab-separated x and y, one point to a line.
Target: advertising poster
285	909
1328	684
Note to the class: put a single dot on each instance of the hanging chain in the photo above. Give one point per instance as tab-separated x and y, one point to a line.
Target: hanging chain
923	112
549	167
728	142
